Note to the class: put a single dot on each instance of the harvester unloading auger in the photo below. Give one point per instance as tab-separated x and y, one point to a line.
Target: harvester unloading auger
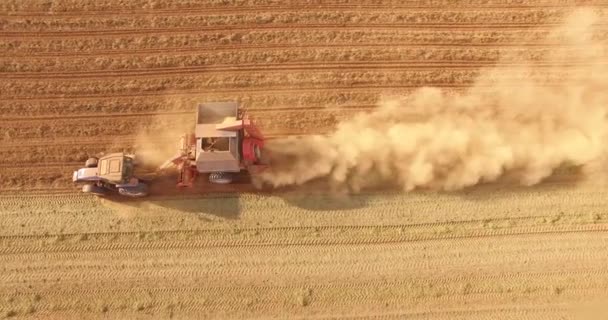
224	144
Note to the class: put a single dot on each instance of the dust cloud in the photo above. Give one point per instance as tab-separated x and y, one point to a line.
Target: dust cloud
509	122
159	140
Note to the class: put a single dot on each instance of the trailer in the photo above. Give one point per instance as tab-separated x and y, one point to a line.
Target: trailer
114	172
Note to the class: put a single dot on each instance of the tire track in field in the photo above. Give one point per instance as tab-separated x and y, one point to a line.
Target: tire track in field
290	67
356	293
102	114
273	39
246	271
475	5
276	47
474	290
446	26
94	116
282	19
232	91
250	267
293	122
365	239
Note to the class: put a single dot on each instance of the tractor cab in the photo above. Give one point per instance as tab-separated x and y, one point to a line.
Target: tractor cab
116	168
113	172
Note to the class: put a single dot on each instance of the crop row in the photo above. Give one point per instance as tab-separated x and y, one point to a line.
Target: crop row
75	6
76	152
135	105
217	40
232	59
369	18
89	127
24	179
267	81
98	126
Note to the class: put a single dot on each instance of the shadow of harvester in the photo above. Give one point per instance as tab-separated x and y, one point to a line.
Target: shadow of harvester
218	205
206	200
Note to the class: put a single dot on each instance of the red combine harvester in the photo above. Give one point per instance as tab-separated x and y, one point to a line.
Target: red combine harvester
223	144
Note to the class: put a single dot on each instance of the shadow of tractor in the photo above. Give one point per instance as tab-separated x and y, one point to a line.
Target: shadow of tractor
202	206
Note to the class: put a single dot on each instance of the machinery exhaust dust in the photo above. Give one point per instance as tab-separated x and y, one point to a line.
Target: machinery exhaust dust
511	122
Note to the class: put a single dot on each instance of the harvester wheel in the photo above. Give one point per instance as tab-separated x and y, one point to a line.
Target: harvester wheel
91	163
91	188
220	177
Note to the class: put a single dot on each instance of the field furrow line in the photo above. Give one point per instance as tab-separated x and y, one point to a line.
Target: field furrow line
293	268
253	90
94	116
291	67
147	271
50	199
284	79
387	29
278	7
274	47
294	38
363	289
380	17
16	193
277	88
18	144
291	242
41	165
88	115
276	232
115	104
241	27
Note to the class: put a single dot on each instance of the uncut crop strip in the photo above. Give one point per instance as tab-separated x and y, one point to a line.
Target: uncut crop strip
297	37
233	6
282	19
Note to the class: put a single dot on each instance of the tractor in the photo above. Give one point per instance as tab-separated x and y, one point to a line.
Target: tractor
111	173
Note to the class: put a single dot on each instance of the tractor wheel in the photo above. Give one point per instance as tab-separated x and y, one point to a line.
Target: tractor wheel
93	189
91	163
220	177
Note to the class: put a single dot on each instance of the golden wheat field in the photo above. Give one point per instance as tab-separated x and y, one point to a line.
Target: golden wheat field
79	78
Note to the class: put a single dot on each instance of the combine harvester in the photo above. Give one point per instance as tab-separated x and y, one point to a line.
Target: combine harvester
223	145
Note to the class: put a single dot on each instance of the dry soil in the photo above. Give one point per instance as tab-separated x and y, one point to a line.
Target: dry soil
83	77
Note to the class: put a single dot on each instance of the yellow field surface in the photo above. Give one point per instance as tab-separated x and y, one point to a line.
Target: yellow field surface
83	77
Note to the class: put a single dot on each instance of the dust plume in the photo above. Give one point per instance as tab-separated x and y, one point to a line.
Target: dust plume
159	139
509	122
